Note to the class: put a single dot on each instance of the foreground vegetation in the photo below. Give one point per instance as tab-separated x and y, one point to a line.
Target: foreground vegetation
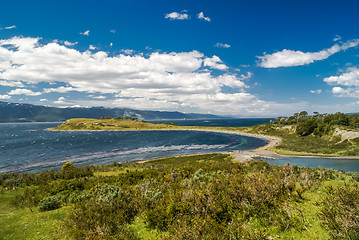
190	197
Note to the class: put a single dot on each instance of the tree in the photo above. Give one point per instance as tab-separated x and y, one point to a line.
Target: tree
67	166
307	127
303	114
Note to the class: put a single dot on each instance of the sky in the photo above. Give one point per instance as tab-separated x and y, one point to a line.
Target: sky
253	58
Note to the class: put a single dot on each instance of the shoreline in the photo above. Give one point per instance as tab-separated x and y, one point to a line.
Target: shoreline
242	156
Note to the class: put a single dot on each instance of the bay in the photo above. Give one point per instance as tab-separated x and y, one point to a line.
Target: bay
28	147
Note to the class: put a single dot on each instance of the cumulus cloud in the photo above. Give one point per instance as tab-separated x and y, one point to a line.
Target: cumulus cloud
215	62
222	45
85	33
348	83
5	97
349	78
177	16
182	81
201	16
23	91
91	47
290	58
11	83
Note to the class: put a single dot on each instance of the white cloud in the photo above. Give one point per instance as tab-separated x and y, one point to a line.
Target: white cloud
337	38
60	100
111	44
201	16
43	100
222	45
7	28
86	33
99	97
181	81
337	90
59	89
11	83
178	16
91	47
5	97
348	79
67	43
215	62
23	91
318	91
113	31
127	51
289	58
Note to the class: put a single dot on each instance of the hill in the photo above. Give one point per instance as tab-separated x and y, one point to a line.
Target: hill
19	112
319	134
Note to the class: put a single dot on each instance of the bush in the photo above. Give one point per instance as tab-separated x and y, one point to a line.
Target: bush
67	166
50	203
340	212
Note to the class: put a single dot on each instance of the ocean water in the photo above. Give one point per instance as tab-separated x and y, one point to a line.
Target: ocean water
243	122
28	147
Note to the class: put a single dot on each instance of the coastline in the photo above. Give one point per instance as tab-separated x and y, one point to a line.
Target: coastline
241	156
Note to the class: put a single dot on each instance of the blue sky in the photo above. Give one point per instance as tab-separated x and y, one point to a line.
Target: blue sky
233	58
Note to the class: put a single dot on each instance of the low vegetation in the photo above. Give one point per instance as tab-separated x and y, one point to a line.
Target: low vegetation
189	197
109	124
319	134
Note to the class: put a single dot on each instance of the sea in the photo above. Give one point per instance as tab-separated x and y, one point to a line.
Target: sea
29	147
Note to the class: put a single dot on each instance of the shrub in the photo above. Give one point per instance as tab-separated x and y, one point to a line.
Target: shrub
50	203
340	212
67	166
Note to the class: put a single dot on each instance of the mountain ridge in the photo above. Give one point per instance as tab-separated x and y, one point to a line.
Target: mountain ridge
24	112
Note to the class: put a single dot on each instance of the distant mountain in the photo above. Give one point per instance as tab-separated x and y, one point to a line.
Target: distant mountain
19	112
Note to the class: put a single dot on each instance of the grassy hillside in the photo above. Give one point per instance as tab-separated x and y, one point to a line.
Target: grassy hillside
191	197
321	134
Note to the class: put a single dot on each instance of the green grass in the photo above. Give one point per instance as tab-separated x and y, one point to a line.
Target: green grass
203	196
28	223
87	124
294	144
